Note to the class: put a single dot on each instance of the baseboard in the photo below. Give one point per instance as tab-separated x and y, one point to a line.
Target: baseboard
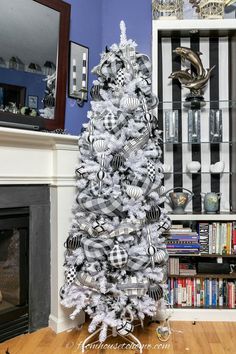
64	324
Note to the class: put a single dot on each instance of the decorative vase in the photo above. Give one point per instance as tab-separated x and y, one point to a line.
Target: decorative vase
178	199
211	202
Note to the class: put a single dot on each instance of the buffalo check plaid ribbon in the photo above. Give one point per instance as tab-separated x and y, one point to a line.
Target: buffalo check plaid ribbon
98	205
136	143
96	248
137	262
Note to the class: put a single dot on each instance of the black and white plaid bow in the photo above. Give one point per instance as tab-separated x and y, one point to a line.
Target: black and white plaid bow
96	248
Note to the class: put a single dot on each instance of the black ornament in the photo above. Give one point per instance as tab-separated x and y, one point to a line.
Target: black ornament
117	161
153	214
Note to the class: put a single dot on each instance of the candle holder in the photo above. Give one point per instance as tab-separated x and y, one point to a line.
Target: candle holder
194	131
78	73
215	126
171	126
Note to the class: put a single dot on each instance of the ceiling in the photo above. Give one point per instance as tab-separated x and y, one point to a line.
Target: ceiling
28	30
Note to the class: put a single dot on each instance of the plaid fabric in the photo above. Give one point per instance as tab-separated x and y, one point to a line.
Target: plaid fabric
144	64
87	280
129	53
120	122
137	262
151	170
124	229
96	248
136	143
118	257
70	275
133	288
120	78
85	226
98	205
109	120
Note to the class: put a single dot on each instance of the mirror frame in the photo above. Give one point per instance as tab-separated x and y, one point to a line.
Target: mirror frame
39	123
62	62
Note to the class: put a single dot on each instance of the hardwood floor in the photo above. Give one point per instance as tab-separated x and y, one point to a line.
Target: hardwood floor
201	338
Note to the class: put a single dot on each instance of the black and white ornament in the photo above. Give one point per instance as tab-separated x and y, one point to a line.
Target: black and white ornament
125	328
134	191
161	256
130	103
151	170
62	292
118	257
153	214
98	225
120	78
117	161
95	93
70	275
109	120
151	251
155	292
73	242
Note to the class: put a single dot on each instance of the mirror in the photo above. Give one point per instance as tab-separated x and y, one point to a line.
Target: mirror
33	63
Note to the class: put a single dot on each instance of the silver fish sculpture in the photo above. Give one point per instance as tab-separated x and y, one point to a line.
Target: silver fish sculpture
192	57
183	76
198	84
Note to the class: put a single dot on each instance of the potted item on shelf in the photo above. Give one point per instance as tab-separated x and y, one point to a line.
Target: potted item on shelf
211	202
217	167
168	9
178	199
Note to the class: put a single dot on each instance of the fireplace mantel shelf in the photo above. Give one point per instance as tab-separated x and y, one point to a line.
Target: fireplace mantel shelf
26	137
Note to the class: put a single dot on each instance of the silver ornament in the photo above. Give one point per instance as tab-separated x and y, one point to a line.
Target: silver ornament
134	191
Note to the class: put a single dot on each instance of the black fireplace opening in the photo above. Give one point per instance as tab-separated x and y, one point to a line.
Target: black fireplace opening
14	272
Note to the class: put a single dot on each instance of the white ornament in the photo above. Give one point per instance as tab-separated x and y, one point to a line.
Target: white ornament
130	103
100	145
218	167
193	166
151	250
134	191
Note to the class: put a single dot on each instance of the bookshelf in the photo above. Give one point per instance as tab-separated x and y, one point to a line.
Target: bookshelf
216	39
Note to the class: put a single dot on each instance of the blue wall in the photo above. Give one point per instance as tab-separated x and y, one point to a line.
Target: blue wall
95	24
137	15
33	83
86	19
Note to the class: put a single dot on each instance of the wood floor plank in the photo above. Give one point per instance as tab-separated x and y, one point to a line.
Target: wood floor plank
201	338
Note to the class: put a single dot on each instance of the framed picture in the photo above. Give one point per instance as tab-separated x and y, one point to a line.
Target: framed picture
33	102
78	71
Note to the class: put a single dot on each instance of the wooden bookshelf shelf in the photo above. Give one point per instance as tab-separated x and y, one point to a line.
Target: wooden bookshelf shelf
206	276
204	255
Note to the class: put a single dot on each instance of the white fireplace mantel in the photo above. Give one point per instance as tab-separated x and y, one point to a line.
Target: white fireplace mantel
28	157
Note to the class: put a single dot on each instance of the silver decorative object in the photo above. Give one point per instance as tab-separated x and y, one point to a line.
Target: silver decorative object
195	82
210	9
215	126
171	126
194	129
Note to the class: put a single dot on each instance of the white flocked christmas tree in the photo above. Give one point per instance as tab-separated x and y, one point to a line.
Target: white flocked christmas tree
116	258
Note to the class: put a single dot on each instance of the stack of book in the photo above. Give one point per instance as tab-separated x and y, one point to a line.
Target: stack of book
182	240
217	238
200	292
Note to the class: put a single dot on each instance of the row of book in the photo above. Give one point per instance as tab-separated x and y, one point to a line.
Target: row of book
217	237
200	292
209	238
178	267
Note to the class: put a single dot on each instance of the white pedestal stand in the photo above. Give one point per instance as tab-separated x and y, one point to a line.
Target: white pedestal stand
129	338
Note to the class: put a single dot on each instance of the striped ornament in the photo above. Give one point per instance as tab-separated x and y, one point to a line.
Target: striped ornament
72	242
153	214
130	103
160	256
155	291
